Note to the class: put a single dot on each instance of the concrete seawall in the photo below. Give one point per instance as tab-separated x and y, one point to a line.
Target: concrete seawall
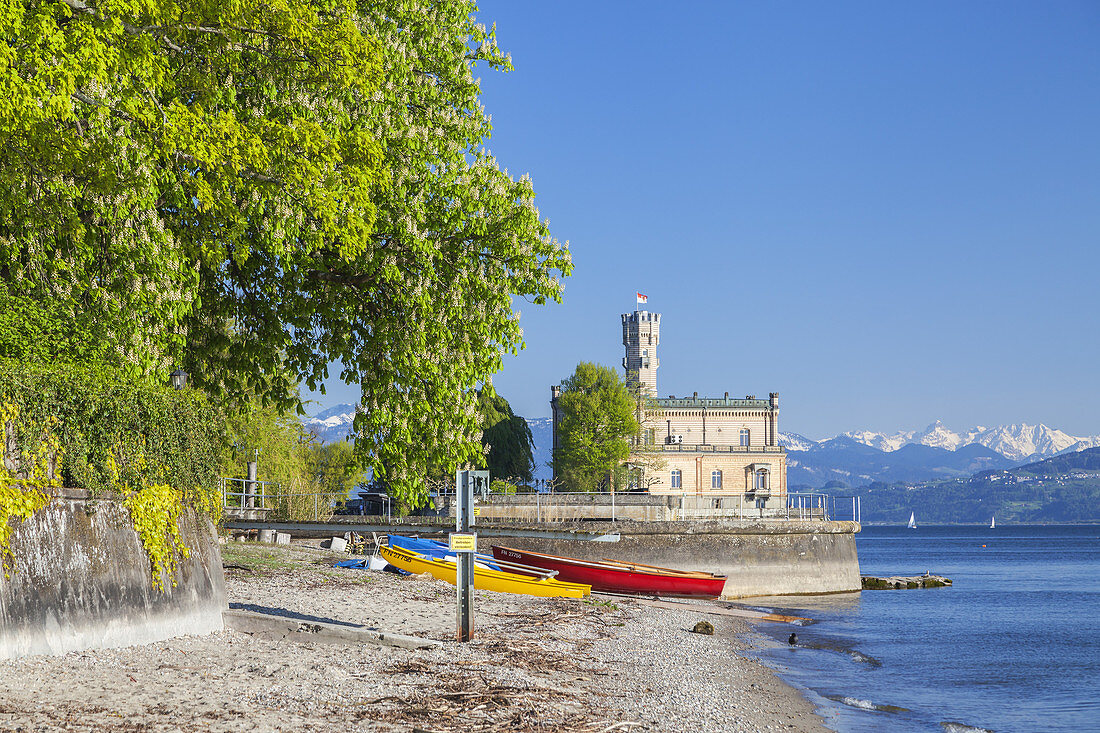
759	557
82	580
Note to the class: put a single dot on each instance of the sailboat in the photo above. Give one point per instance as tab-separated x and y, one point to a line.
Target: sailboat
912	520
993	523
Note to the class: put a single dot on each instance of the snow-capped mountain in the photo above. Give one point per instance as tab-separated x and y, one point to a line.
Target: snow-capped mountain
1027	441
331	425
1018	441
794	441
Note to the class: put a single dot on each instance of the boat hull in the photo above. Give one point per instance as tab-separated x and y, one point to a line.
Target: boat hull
484	579
614	577
435	550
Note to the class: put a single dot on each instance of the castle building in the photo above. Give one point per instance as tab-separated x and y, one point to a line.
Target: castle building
697	445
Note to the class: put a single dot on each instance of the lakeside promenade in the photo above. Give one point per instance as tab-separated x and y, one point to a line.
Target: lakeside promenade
534	665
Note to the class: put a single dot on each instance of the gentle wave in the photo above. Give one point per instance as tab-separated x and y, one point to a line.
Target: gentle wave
855	702
953	727
864	658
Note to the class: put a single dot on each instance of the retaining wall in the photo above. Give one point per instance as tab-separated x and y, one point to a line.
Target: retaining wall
81	580
759	557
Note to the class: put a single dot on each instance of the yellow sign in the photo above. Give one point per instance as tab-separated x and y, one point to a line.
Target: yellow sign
477	511
463	542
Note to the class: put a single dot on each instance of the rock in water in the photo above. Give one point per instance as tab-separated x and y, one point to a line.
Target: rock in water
704	627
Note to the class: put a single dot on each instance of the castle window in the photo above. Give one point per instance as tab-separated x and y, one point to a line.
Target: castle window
645	352
715	479
744	436
677	479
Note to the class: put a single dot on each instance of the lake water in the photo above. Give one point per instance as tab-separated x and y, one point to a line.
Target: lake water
1013	645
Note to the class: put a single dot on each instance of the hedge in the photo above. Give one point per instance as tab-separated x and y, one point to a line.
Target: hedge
90	428
100	417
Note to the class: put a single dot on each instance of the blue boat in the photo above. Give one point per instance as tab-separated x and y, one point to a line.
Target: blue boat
435	549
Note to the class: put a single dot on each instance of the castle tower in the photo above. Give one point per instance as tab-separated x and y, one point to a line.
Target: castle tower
641	335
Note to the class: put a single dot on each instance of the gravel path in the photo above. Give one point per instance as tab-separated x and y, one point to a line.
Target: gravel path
535	665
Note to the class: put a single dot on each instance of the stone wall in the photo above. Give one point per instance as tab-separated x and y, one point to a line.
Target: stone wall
81	580
759	557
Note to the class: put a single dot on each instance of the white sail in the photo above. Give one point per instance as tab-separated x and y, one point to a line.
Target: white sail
913	520
993	523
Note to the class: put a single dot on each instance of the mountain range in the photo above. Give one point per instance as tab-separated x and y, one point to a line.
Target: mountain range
861	457
1018	442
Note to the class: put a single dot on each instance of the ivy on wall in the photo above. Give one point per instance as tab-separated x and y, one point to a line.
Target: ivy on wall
89	428
20	499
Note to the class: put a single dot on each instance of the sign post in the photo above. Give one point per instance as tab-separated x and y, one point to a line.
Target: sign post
464	544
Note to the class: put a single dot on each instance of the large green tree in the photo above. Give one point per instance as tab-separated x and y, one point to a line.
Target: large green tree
506	438
256	190
598	420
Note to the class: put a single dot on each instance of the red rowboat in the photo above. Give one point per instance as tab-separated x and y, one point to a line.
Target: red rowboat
614	576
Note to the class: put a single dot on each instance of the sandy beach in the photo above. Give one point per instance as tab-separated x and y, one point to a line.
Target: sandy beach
595	666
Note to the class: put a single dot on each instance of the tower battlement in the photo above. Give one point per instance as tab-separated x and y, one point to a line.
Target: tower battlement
641	336
640	316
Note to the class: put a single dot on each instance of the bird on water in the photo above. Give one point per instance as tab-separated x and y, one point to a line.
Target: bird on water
793	639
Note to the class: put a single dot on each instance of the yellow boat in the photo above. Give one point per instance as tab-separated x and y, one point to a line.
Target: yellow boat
484	578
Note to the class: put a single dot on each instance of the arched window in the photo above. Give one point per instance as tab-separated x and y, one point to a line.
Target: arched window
744	436
715	479
676	478
645	352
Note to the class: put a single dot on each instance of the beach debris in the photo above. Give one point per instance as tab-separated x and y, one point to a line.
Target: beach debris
357	544
703	627
338	544
451	705
621	725
410	667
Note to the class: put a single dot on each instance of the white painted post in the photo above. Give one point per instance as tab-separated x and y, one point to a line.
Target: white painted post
859	509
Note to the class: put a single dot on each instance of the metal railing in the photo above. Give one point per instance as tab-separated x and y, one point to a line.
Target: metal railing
242	493
561	506
711	448
267	497
842	505
808	506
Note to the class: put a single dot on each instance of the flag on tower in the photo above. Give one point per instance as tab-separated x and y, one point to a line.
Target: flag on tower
642	298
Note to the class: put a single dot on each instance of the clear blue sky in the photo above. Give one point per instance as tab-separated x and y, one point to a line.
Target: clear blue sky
888	213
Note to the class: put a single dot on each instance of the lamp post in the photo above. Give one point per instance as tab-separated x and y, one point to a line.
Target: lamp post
178	379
